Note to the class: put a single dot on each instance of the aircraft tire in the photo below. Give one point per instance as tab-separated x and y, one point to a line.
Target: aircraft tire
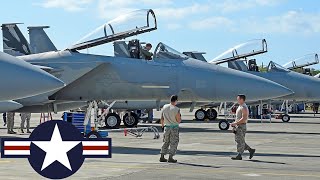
224	125
285	118
93	135
130	121
200	115
112	121
212	114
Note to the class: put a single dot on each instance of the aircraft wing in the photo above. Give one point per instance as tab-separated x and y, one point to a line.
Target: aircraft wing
134	23
242	51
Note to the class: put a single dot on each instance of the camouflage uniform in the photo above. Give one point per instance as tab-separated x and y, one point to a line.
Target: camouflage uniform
25	117
240	131
170	138
240	138
10	121
171	133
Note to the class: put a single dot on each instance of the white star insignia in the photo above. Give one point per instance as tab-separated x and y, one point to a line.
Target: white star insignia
56	149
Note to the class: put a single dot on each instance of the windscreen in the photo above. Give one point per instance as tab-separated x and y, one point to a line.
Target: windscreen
163	51
274	67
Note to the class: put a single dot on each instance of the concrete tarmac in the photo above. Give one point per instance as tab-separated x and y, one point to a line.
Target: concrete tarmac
284	151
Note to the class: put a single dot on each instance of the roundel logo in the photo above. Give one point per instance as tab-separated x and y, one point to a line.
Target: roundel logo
56	149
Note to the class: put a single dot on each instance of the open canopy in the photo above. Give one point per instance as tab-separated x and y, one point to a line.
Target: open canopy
134	23
243	50
301	62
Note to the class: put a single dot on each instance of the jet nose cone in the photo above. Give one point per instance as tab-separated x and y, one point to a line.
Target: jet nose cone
254	87
269	90
21	79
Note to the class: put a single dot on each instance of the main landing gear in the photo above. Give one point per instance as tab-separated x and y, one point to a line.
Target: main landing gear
211	114
202	114
113	120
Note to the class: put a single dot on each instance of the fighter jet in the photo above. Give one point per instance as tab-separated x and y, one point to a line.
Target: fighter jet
128	77
305	88
20	79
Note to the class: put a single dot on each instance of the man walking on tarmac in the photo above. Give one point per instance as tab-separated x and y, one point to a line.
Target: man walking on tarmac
240	128
170	120
25	117
10	122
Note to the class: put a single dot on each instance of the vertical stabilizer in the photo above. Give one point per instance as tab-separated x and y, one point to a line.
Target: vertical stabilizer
39	40
14	42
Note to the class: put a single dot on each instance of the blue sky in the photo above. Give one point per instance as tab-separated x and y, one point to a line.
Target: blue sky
291	27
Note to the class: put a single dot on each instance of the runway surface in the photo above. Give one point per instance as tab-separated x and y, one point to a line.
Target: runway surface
284	151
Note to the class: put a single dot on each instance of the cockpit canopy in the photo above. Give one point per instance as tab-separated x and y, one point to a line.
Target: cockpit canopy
134	23
163	51
274	67
301	62
241	51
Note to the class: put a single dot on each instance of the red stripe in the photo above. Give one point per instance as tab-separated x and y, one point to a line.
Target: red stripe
95	147
16	147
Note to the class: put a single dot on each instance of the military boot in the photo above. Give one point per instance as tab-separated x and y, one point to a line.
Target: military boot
171	160
251	151
238	157
162	158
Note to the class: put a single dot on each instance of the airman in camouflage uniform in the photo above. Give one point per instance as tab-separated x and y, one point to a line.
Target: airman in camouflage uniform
25	117
170	120
10	122
240	128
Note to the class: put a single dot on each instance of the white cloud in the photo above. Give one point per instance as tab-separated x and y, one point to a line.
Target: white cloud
229	6
108	9
289	22
181	12
173	26
67	5
218	22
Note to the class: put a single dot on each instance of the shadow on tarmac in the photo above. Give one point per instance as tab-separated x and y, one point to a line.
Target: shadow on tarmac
267	162
152	151
197	165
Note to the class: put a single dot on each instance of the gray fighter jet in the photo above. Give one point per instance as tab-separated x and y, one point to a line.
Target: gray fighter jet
93	77
305	87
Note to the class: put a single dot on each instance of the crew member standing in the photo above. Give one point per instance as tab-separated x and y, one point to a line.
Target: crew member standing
25	117
10	122
240	128
170	120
